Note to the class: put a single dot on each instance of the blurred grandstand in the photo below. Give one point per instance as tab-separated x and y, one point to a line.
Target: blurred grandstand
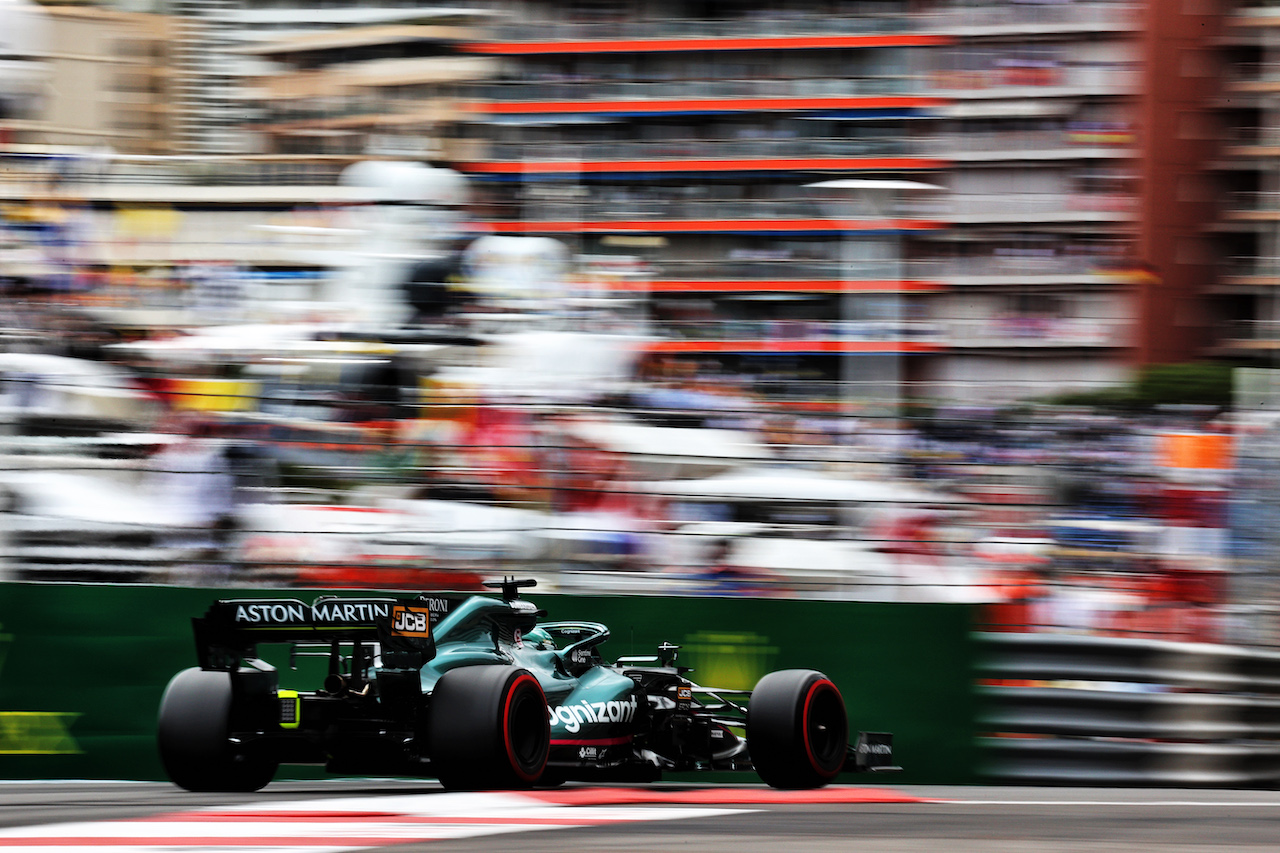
493	412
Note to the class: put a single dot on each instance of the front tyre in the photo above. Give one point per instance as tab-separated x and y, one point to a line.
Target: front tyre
193	736
797	730
488	728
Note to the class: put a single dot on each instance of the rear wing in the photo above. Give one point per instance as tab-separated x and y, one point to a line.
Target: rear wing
231	630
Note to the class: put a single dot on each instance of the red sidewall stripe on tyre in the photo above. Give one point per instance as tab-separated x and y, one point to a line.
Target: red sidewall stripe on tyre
821	684
506	727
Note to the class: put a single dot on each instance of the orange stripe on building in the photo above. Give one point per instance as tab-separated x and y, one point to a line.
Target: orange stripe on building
675	164
703	105
774	286
649	226
824	345
656	45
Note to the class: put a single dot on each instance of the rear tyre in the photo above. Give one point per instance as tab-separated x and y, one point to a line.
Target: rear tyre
193	736
797	730
488	728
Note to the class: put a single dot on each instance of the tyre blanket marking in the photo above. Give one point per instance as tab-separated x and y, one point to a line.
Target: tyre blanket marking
346	823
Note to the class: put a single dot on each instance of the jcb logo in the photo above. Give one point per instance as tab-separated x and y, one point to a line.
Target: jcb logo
410	622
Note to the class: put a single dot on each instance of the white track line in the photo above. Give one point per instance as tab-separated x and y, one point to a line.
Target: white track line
330	825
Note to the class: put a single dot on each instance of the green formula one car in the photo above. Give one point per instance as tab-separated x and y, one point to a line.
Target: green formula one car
476	692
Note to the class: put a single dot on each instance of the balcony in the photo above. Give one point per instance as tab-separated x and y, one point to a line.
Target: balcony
992	18
1010	18
793	274
1064	144
884	336
1023	269
1253	206
799	23
1036	332
597	96
797	337
587	94
1248	272
541	157
653	213
638	212
1047	79
1253	141
1253	76
131	171
1252	19
1040	207
1248	337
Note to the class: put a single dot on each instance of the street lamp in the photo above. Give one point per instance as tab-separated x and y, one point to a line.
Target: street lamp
878	199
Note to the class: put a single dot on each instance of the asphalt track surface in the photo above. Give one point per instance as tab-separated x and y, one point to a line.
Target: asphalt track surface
709	819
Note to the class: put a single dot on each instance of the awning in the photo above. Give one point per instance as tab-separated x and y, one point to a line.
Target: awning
431	69
340	79
357	37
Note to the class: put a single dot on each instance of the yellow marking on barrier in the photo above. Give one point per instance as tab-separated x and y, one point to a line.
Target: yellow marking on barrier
37	733
734	660
215	395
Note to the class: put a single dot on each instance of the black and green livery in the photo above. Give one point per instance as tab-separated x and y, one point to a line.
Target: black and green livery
478	692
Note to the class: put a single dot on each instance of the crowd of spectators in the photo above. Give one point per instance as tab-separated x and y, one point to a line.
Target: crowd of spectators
1060	519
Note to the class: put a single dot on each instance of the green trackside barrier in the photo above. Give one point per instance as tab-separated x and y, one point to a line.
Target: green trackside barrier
82	668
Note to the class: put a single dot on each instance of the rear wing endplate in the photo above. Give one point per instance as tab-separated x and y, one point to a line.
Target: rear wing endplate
873	753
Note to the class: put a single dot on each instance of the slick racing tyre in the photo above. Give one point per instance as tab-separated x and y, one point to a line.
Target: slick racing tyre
192	734
797	731
488	728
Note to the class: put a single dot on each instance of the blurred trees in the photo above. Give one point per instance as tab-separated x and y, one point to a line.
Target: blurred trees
1198	383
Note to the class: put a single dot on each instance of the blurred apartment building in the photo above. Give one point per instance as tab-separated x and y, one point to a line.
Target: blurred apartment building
344	78
1245	295
109	78
23	69
988	244
369	91
82	76
212	139
1023	197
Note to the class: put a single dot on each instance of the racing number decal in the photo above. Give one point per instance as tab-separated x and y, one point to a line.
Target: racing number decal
411	622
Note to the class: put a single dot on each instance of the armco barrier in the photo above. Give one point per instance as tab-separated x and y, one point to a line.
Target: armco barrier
1063	709
82	668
